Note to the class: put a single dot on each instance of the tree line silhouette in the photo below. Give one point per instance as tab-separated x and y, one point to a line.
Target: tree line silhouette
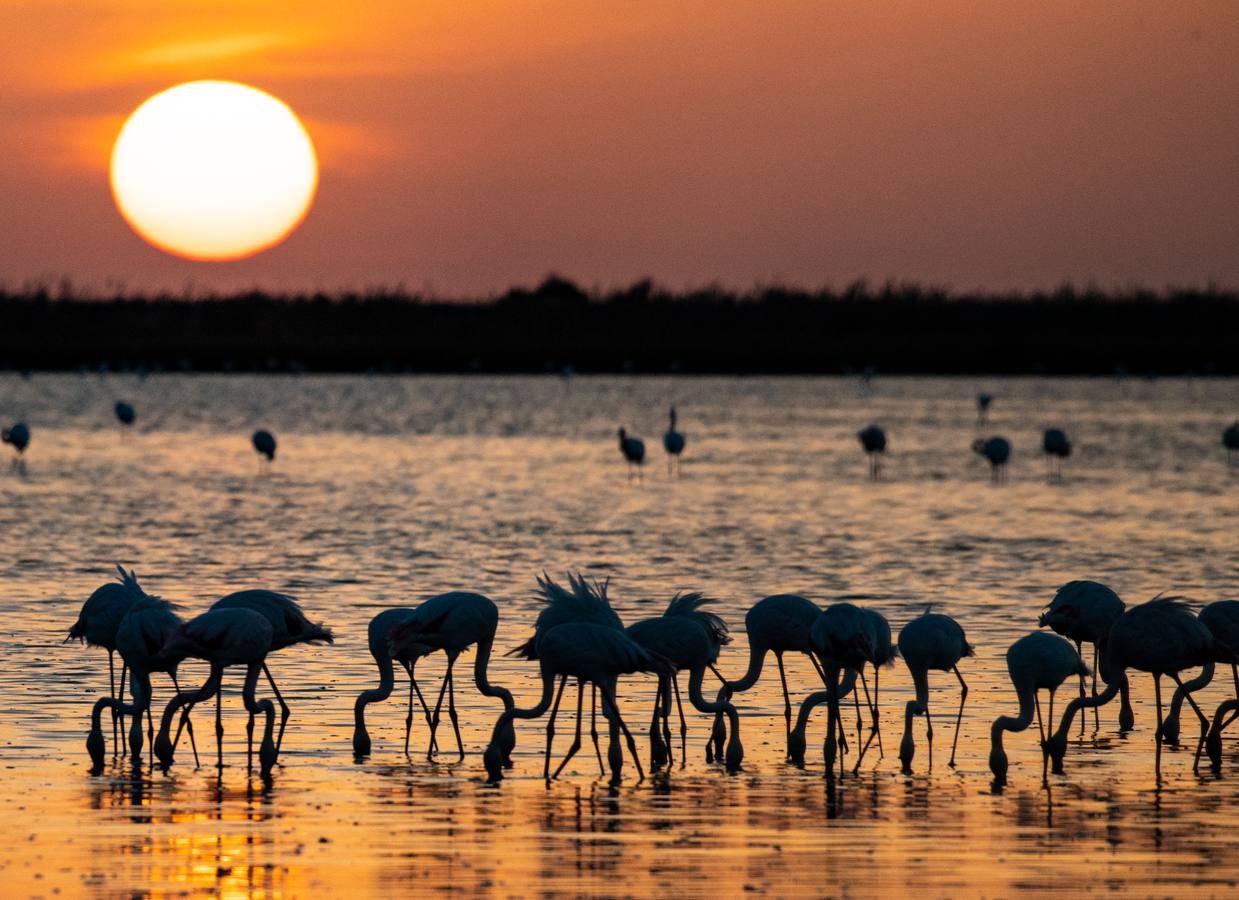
644	328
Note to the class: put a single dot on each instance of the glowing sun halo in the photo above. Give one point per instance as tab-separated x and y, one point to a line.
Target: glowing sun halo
213	170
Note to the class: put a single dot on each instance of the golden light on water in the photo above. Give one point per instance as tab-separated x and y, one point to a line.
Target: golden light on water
214	170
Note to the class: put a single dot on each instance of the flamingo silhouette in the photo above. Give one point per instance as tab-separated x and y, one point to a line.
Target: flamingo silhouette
453	623
983	405
379	638
673	443
264	444
148	625
690	638
1036	662
634	452
937	642
1057	448
1084	612
1222	620
19	437
592	653
873	441
223	637
997	450
1230	440
1160	637
289	626
125	413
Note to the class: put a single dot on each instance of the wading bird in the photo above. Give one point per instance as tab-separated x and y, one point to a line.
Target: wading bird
930	642
453	623
1160	637
19	437
379	639
673	443
125	413
873	440
223	637
264	444
1230	440
1036	662
1084	612
983	405
690	638
289	626
634	452
997	450
590	653
1222	620
1056	447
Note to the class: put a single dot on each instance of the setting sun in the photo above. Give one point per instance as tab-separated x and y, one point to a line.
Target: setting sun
213	170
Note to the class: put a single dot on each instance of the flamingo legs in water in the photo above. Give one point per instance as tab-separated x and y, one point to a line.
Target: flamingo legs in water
610	709
787	700
408	720
1204	720
660	750
550	727
576	740
675	683
1157	737
963	695
285	712
448	688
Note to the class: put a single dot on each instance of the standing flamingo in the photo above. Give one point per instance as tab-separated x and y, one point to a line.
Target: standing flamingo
223	637
1057	448
873	440
937	642
1230	440
691	639
125	413
1084	612
997	450
379	639
590	653
673	443
1036	662
19	437
289	626
634	452
983	404
1160	637
453	623
264	444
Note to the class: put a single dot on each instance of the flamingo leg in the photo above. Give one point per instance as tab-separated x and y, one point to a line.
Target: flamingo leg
285	712
451	707
434	744
1157	737
576	741
659	750
608	696
219	734
1079	653
1096	714
787	700
963	695
593	724
829	744
675	682
408	719
874	729
434	723
185	723
665	710
112	694
550	728
1045	757
118	709
1204	720
877	719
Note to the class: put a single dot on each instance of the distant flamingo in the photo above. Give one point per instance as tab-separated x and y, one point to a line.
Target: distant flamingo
19	437
1160	637
223	637
289	626
1230	440
1222	620
125	413
983	404
873	440
997	450
1057	448
673	443
1084	612
590	653
453	623
264	444
379	639
633	450
1036	662
937	642
691	639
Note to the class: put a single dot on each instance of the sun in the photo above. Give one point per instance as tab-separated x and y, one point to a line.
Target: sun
213	170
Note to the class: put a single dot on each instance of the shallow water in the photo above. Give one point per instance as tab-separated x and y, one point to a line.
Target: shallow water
388	490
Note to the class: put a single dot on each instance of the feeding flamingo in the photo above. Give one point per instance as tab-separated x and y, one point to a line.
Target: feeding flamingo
634	452
930	642
997	450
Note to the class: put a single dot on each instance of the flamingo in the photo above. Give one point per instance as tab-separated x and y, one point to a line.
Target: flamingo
142	633
930	641
1230	440
673	443
1160	637
379	638
96	626
592	653
582	602
289	626
1057	448
633	450
125	413
1036	662
1084	612
264	444
1222	620
223	637
454	622
19	437
983	405
691	639
997	450
873	440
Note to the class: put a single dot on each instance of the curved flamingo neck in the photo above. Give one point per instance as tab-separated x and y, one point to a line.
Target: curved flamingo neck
757	657
480	665
387	683
1113	686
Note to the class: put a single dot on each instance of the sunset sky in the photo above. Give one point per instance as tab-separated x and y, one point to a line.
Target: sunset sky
469	146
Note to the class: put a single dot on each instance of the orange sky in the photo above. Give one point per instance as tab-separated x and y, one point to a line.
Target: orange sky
960	143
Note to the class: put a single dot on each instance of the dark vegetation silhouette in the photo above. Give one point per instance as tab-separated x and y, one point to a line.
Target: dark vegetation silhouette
643	328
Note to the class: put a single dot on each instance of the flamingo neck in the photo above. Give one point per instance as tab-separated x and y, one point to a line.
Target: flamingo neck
757	657
480	664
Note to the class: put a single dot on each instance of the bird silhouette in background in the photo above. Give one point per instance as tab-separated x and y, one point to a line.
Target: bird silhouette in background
264	444
873	441
453	623
1084	612
1160	637
1230	440
1222	620
673	443
1057	448
634	452
592	653
145	629
581	602
930	642
125	414
983	404
997	450
19	437
223	637
1036	662
690	638
379	640
289	626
